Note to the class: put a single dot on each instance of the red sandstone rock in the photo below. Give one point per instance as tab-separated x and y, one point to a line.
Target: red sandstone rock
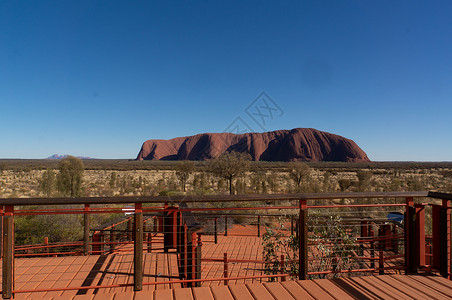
299	144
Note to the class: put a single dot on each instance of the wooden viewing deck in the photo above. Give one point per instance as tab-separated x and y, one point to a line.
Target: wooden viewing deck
134	271
70	272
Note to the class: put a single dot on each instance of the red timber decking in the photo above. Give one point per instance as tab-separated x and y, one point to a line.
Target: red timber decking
162	252
368	287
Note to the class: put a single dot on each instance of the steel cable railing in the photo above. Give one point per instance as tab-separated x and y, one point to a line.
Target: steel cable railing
237	242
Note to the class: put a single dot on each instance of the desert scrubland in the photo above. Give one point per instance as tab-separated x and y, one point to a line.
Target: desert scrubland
21	178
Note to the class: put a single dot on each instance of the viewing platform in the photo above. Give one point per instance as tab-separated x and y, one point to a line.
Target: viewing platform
196	248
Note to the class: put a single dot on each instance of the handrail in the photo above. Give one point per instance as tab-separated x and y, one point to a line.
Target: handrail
210	198
179	226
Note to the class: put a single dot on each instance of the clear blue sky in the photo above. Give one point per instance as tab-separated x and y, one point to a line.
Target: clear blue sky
98	78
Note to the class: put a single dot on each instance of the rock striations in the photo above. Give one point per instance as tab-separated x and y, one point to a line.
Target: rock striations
299	144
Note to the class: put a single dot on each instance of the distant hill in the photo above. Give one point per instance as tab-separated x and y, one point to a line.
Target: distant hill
299	144
57	156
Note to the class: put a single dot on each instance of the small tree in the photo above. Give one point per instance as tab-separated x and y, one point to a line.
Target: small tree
344	184
364	178
112	181
299	171
47	182
230	165
70	177
183	170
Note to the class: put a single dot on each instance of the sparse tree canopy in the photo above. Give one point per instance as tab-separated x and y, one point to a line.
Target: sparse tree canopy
47	182
230	165
299	171
364	178
70	177
183	170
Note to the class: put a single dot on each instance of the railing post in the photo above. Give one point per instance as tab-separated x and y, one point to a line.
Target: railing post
420	235
410	237
226	267
169	229
283	267
8	252
198	260
303	240
258	226
445	255
216	231
1	231
364	234
86	230
372	247
138	249
46	242
381	246
102	242
112	239
174	228
226	226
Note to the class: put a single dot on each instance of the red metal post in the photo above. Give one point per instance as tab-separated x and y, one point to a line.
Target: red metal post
86	230
225	272
410	236
216	231
198	259
8	252
112	239
226	226
372	247
381	246
420	236
46	242
436	233
138	248
303	240
174	228
1	231
447	269
102	242
96	243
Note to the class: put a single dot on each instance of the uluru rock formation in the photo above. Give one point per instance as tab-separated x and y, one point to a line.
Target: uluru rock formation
299	144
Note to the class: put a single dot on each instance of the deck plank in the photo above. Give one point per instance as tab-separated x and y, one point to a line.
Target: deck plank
296	290
183	294
143	295
163	294
332	289
428	282
277	290
221	292
384	287
259	291
314	290
410	290
355	289
240	292
202	293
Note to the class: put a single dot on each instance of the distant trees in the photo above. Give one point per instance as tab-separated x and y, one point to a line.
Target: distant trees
47	182
183	170
230	165
70	176
364	178
299	172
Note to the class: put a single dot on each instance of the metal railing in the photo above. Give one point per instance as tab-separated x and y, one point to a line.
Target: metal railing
363	239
